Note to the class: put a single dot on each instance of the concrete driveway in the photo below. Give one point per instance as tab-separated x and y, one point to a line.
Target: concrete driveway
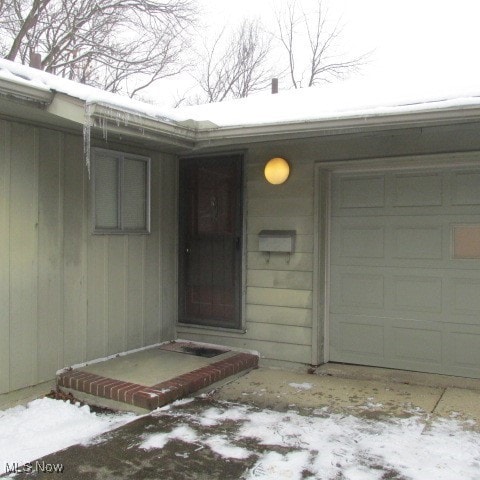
347	424
363	391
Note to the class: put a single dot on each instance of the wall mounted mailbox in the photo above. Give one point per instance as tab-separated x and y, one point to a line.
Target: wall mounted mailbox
282	241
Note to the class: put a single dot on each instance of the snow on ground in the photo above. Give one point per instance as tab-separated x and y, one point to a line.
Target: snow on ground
331	446
45	426
159	440
301	386
273	445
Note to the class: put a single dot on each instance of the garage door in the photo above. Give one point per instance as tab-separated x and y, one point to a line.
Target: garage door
405	270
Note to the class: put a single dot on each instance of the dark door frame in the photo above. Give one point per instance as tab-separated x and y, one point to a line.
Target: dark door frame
184	162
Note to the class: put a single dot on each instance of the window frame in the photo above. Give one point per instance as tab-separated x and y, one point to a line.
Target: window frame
120	157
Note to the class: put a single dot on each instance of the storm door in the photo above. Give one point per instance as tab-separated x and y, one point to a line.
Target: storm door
210	252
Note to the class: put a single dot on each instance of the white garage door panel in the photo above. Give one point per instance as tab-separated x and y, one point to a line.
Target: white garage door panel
397	296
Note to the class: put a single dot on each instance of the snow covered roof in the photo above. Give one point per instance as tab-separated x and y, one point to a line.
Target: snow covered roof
43	81
332	101
355	103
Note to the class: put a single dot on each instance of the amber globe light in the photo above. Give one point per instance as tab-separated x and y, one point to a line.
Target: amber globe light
277	171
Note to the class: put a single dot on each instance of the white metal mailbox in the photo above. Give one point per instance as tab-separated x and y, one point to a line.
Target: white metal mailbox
282	241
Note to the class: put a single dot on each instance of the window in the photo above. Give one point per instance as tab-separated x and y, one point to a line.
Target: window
121	192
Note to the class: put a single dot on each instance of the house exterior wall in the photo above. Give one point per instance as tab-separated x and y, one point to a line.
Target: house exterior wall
67	296
281	319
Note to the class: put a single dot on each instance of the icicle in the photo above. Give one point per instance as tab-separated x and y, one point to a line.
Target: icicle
104	125
87	125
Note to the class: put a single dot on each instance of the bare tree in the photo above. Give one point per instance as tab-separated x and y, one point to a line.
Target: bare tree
118	45
235	66
311	43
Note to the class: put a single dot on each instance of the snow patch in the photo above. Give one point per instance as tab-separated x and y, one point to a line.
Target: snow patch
45	425
301	386
213	416
219	444
159	440
276	466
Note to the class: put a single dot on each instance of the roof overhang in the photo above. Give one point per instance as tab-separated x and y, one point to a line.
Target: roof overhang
38	104
355	124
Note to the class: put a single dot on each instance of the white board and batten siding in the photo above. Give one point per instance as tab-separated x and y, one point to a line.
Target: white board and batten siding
278	297
66	295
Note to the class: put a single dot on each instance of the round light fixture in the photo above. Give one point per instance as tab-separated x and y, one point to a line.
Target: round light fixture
277	171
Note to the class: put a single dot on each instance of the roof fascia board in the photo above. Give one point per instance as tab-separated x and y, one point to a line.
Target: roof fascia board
336	126
25	93
120	121
67	107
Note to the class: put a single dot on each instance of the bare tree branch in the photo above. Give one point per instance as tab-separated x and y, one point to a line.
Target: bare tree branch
25	25
311	43
235	66
118	45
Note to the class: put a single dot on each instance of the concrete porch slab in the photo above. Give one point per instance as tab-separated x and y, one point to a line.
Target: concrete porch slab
281	390
151	378
459	403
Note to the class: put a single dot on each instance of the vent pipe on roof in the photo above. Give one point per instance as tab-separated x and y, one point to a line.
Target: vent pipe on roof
36	61
274	85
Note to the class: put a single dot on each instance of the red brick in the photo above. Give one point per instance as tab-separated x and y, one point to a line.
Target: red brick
100	386
143	399
116	390
84	381
168	397
198	384
123	391
107	389
130	393
80	380
63	381
93	386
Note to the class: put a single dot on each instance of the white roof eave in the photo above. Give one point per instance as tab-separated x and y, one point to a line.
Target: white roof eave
195	135
338	125
126	123
25	92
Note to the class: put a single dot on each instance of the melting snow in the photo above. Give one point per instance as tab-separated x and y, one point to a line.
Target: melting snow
281	445
220	444
159	440
335	446
301	386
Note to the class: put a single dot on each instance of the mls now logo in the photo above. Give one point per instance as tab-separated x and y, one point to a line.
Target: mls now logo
36	467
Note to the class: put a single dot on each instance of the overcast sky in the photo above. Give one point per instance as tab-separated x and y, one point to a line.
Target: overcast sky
413	40
416	45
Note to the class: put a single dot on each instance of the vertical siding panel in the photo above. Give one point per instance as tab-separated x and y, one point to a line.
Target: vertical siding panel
4	256
152	252
23	262
169	230
61	193
97	297
135	291
116	293
74	252
49	254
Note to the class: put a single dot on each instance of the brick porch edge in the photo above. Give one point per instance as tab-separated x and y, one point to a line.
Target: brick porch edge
158	395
